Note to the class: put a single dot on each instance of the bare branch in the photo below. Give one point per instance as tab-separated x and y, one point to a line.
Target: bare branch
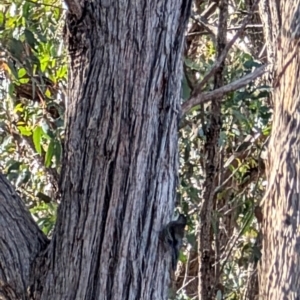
213	30
224	53
220	92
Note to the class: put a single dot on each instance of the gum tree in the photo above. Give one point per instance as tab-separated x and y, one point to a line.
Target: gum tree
280	271
120	161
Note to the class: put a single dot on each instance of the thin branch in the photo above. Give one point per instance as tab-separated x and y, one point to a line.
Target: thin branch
234	242
220	92
187	267
45	4
249	26
186	284
209	10
37	4
224	53
213	30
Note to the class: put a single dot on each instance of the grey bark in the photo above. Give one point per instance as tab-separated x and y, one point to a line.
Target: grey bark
120	162
279	275
20	243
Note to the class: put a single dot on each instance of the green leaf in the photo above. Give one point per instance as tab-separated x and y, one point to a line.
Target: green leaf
31	40
62	72
12	68
41	37
11	89
48	93
37	137
24	80
239	116
49	154
21	72
2	19
47	132
44	61
25	131
16	48
26	9
251	63
14	166
57	151
19	108
186	91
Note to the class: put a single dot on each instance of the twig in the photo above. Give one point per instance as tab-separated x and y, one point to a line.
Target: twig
187	266
234	242
224	53
249	26
187	283
220	92
37	4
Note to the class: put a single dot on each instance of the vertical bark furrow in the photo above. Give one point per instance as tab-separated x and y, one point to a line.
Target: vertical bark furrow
20	243
122	120
280	271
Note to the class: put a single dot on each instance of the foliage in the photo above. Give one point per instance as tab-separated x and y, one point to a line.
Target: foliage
245	127
34	75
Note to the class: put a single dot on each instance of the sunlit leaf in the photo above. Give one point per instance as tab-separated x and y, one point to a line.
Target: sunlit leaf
48	93
24	131
21	72
37	137
19	108
49	154
2	19
24	80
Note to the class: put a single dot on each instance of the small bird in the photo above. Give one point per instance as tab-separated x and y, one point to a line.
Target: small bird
173	235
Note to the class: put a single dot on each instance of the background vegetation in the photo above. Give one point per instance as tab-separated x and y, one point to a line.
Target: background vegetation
33	66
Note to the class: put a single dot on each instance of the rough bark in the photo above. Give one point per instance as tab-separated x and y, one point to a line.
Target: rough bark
280	269
120	162
271	19
120	165
255	34
20	243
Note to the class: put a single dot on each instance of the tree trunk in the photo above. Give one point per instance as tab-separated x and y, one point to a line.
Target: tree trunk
280	268
20	243
120	162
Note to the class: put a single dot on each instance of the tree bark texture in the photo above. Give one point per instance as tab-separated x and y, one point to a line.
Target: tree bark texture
271	20
120	162
280	269
120	165
20	243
